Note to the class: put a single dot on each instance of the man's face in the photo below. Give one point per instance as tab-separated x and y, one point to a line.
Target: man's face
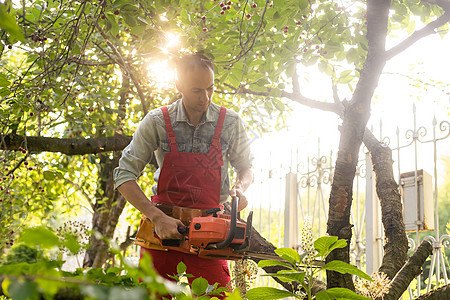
197	87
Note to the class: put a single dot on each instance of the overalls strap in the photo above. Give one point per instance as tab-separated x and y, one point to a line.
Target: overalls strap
170	134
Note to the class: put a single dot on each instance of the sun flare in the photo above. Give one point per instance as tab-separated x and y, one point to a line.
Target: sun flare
161	73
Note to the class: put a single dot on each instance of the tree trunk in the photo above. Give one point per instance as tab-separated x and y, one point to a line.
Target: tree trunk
396	248
107	210
356	115
409	271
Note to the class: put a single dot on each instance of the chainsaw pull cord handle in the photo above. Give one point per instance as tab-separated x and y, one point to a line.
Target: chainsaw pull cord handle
232	233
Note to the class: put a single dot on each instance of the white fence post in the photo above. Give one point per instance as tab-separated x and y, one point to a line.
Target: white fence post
374	232
290	212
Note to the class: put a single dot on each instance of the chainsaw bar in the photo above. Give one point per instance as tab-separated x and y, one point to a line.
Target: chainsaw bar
263	256
270	256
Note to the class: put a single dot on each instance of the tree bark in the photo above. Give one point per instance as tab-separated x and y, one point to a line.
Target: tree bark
409	271
356	115
65	146
107	209
441	293
396	248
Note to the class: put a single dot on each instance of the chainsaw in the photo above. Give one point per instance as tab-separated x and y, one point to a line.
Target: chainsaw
214	236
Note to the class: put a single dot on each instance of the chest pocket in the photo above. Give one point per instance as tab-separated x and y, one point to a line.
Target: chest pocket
166	148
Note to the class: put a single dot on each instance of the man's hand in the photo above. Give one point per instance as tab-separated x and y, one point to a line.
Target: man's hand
243	180
237	192
167	227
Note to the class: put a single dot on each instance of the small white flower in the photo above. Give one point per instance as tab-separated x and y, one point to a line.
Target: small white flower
374	289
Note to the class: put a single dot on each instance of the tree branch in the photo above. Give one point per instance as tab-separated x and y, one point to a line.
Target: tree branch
442	292
90	63
418	34
444	4
325	106
78	187
125	67
409	271
67	146
396	247
133	78
335	92
295	84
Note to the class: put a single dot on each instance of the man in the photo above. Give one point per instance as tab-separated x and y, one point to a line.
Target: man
193	140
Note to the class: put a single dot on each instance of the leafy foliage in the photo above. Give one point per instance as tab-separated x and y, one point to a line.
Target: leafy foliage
27	275
21	253
302	270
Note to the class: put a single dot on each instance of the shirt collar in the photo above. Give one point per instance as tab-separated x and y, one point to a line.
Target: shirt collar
182	117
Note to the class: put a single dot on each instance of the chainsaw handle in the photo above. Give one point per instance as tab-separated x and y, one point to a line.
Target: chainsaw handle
232	233
182	229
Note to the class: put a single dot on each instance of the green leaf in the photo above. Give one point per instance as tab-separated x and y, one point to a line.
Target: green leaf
4	82
49	175
112	21
39	236
289	254
288	276
49	287
411	27
339	244
303	4
345	76
343	267
262	82
322	66
71	243
325	244
98	292
267	293
275	92
338	293
181	267
9	24
129	19
120	293
322	244
185	17
270	263
236	295
23	289
199	286
352	55
138	30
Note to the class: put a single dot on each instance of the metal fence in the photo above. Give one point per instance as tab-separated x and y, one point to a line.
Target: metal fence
290	190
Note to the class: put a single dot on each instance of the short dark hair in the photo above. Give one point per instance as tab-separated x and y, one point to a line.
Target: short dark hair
191	61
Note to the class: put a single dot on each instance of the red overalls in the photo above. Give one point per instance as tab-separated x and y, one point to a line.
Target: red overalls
191	180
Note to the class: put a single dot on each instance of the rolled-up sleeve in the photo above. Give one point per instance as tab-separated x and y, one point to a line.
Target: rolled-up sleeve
240	155
138	153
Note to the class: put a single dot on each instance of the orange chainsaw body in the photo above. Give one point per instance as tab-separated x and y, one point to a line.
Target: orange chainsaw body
216	236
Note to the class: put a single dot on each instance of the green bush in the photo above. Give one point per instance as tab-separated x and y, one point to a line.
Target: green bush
22	254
